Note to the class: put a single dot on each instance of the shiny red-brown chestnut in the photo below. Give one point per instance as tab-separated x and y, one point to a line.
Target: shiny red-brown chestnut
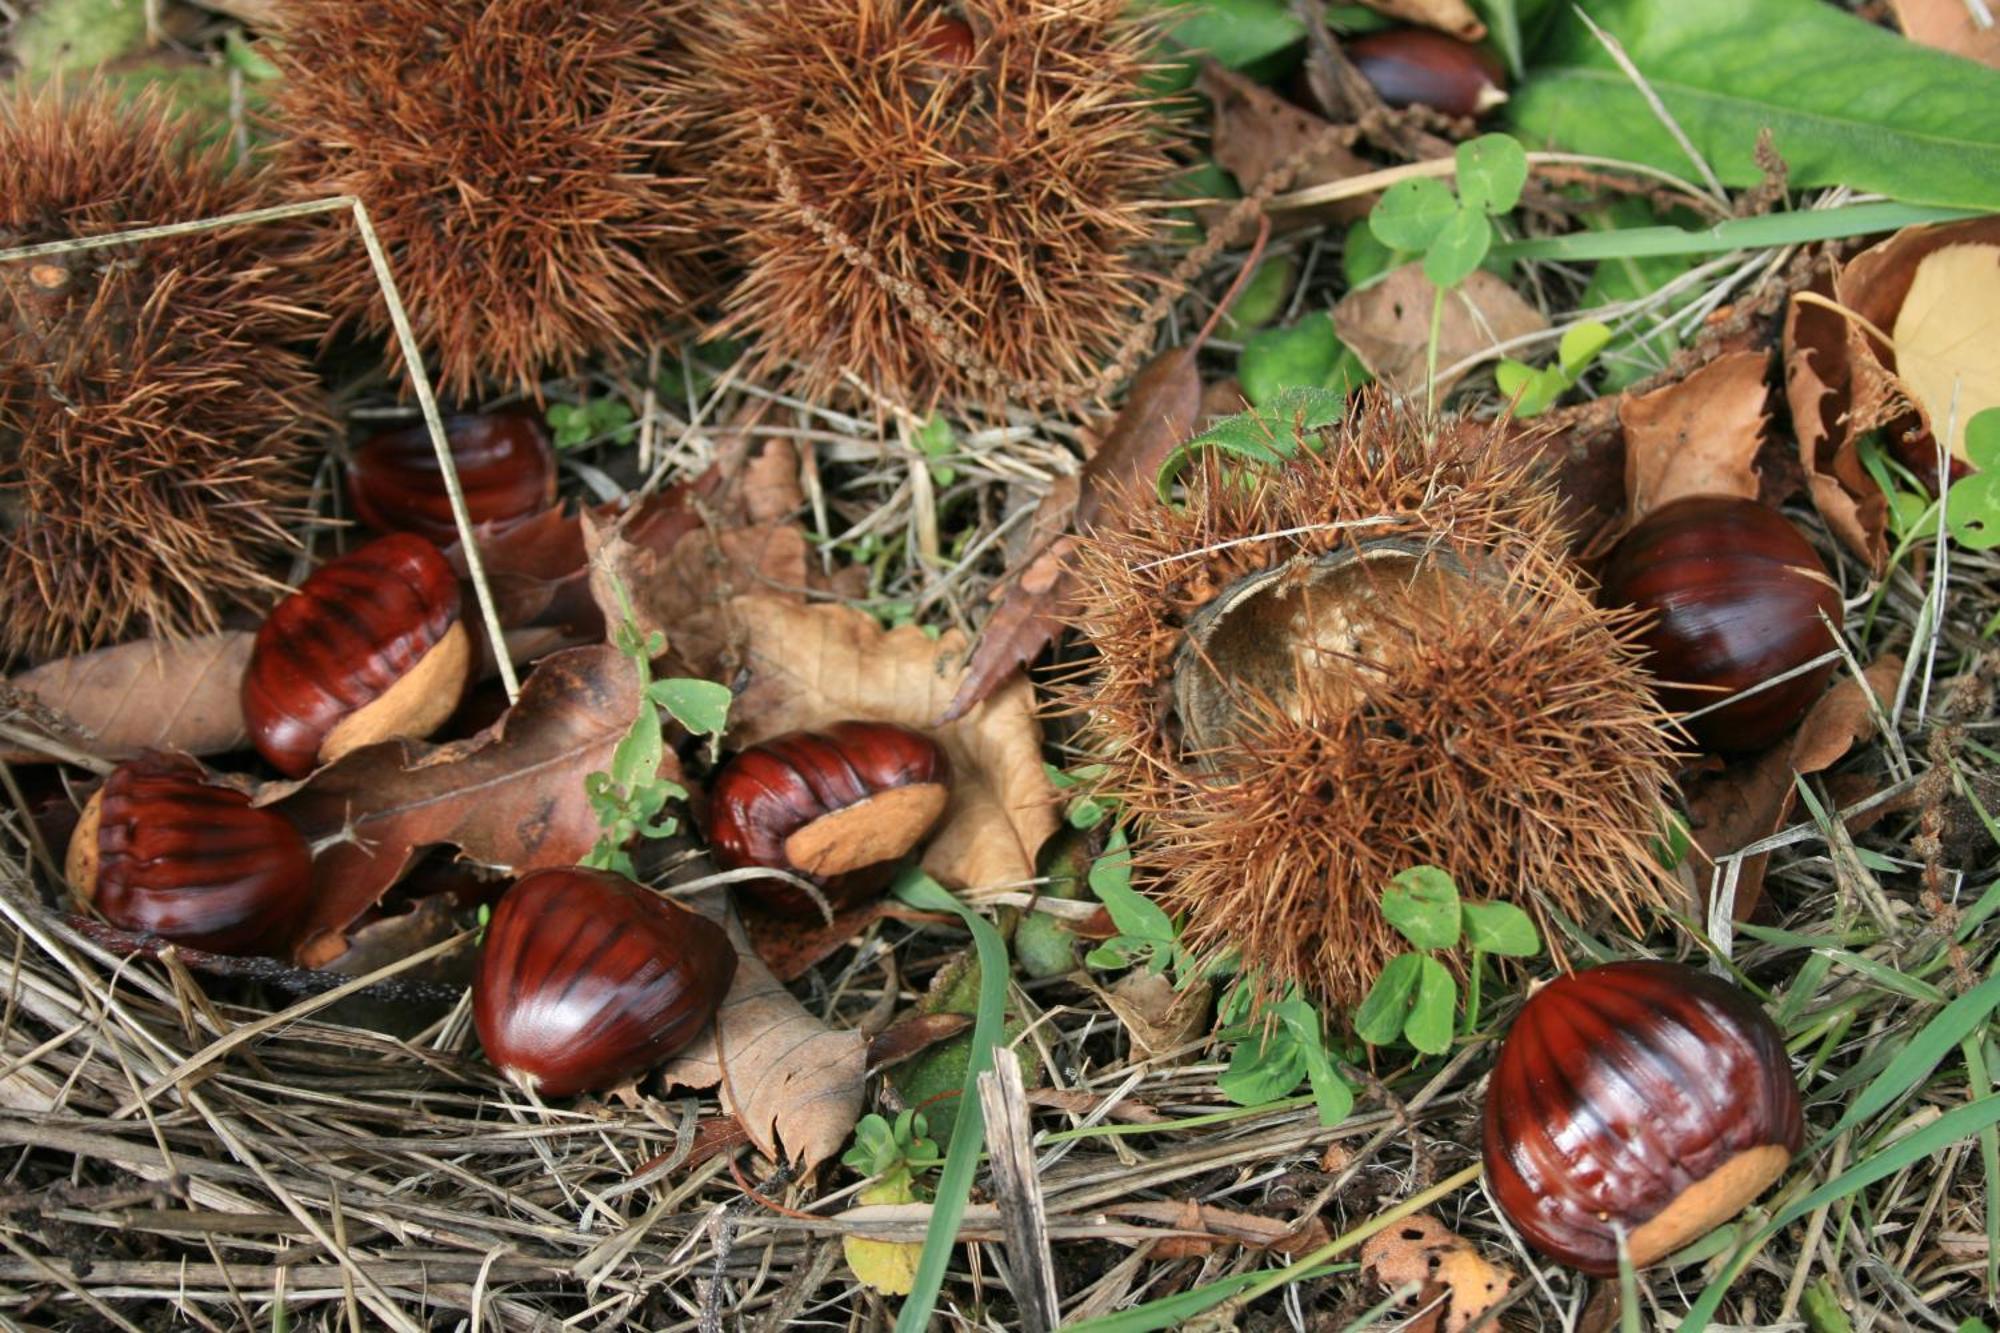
369	648
839	808
1412	66
1736	595
162	851
505	462
1647	1098
586	979
947	39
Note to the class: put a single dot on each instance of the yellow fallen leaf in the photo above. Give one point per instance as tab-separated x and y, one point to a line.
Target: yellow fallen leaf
1946	335
888	1266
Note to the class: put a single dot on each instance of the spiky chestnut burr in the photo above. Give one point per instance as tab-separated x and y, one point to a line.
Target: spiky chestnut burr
152	412
1373	658
162	850
514	159
942	201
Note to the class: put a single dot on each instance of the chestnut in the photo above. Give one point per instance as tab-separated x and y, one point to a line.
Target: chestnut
370	647
839	808
162	851
1408	66
506	467
1647	1098
1736	594
586	979
948	40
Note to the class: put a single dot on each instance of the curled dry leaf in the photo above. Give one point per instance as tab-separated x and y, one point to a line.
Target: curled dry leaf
793	1083
792	947
1856	363
1458	1284
810	666
180	694
1158	416
1749	801
1452	16
1389	325
511	798
1159	1016
1696	437
1256	132
1948	25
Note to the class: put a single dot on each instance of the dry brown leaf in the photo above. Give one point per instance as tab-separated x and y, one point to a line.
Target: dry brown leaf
793	1083
151	695
1452	16
1948	25
1159	1016
1842	381
1157	418
1749	801
1257	131
814	665
1696	437
1948	336
512	798
1389	325
912	1035
1458	1283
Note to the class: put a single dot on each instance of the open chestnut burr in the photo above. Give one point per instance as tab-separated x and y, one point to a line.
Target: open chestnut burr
371	647
839	808
1737	595
1642	1098
587	979
161	850
506	468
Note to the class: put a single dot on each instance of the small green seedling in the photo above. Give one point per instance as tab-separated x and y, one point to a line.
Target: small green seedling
894	1154
1451	231
1146	935
630	798
1085	810
935	441
1416	998
594	419
1533	391
1276	1049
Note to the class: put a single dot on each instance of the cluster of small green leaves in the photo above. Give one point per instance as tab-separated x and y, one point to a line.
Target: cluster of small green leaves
630	799
1416	998
1276	1048
1533	391
896	1152
1453	232
936	442
1085	810
1147	937
1972	504
592	421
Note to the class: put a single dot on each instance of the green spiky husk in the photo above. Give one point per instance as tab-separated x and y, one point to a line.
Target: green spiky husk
153	412
960	233
1513	740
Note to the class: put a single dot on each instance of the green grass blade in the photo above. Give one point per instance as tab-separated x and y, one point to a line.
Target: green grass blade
1914	1063
968	1133
1757	233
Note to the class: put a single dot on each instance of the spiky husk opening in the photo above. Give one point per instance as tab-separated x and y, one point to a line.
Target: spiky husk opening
1511	737
514	157
152	414
935	228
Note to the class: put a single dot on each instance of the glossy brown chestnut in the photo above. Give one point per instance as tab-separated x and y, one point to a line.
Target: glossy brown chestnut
839	808
1645	1097
1736	595
948	39
160	850
506	467
1411	66
587	979
369	648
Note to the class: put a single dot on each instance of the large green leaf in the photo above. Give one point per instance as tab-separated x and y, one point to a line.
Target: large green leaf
1847	102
